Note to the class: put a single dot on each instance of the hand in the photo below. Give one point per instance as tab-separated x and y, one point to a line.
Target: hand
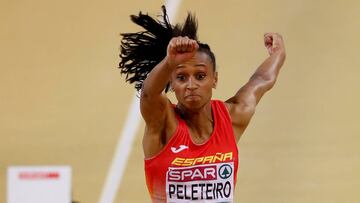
181	49
274	43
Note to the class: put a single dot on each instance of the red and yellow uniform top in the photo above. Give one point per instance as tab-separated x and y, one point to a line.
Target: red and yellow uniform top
187	172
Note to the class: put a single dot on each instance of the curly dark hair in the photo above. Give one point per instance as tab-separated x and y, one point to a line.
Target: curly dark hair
142	51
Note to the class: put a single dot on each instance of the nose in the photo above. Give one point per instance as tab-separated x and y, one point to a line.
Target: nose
191	84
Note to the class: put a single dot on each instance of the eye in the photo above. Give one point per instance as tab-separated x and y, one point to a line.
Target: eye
180	77
200	76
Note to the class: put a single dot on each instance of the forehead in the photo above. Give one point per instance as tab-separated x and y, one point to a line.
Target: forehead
199	59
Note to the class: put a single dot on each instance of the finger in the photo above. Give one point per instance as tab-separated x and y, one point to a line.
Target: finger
268	34
188	46
268	41
184	44
196	44
179	44
171	46
185	40
278	41
193	45
178	41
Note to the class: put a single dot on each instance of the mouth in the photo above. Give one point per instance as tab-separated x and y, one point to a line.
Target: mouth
192	96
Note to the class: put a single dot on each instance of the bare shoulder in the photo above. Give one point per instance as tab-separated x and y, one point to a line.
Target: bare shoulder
165	119
241	108
159	131
240	111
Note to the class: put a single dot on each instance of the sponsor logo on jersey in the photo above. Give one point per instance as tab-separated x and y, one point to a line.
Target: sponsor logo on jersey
177	150
206	182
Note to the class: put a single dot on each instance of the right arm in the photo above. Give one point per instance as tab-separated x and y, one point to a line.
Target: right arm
155	107
242	105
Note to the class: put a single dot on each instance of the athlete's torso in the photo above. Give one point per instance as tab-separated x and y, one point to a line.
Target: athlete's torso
187	172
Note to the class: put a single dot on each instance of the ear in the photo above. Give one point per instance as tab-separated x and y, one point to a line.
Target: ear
215	80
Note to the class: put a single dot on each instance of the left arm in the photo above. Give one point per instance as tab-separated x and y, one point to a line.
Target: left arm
242	105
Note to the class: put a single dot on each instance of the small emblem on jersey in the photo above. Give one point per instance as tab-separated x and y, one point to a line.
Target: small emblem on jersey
225	171
177	150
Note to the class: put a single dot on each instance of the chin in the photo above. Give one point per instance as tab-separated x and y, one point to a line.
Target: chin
194	103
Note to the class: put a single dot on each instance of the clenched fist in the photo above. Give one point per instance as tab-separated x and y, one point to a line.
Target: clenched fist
181	49
274	43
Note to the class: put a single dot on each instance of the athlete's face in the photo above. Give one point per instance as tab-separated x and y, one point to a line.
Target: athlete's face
193	81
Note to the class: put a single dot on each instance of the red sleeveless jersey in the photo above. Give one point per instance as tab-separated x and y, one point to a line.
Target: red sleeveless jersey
187	172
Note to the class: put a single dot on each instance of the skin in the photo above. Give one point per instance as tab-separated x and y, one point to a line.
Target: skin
192	77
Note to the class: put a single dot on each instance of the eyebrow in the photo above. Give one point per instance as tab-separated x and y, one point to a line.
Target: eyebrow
201	64
196	65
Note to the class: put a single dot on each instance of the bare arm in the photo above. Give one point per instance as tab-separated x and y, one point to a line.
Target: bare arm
154	105
242	105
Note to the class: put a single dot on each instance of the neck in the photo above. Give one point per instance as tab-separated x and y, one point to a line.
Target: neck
200	122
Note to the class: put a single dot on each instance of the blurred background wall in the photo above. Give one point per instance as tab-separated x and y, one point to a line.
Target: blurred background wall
63	101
